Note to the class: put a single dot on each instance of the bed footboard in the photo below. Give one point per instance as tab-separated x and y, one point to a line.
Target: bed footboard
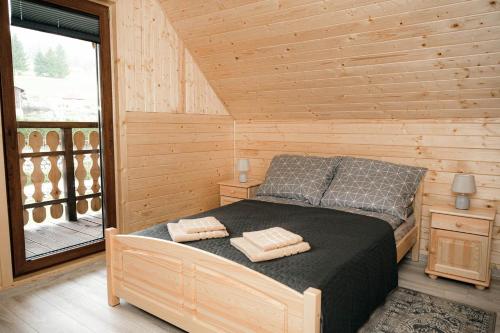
202	292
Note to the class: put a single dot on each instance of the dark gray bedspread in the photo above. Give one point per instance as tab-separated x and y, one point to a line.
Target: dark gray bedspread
352	260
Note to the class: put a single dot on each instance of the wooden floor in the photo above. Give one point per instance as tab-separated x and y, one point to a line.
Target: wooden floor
76	302
54	235
411	276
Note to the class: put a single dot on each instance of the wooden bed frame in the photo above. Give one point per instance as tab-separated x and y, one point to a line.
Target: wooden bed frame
202	292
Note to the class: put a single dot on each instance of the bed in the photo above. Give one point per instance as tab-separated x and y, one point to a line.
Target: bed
201	287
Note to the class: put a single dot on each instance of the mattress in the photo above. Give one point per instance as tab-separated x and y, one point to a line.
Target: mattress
354	273
404	228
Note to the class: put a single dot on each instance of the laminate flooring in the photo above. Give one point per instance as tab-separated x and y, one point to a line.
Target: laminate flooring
77	302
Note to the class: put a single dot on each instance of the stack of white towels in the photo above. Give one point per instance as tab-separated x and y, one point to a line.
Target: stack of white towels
187	230
270	244
262	245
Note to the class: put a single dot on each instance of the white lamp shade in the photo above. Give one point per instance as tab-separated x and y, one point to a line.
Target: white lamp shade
243	165
464	183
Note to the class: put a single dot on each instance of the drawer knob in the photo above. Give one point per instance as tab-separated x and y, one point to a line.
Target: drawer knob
458	224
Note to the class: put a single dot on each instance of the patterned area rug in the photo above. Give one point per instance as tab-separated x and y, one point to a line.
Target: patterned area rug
408	311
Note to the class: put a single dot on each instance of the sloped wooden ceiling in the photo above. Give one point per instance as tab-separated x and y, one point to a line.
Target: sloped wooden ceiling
310	59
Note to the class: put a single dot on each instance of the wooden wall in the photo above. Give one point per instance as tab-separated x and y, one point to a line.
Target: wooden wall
312	59
176	137
200	97
309	62
414	82
157	72
148	48
443	146
174	163
173	136
5	257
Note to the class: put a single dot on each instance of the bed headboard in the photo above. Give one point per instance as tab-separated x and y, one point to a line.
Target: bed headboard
417	211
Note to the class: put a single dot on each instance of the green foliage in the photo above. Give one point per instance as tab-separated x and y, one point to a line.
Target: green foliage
52	63
41	64
62	61
19	56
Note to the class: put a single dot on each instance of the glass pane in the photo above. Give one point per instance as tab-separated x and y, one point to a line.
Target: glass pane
55	77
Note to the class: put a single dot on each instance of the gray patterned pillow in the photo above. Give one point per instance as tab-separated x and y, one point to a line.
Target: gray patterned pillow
299	177
373	185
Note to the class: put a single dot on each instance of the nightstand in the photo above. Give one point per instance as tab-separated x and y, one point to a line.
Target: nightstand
460	244
232	190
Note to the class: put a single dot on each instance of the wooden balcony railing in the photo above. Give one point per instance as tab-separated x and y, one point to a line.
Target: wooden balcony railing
55	155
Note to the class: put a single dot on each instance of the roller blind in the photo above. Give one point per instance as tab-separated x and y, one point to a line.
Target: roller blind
48	18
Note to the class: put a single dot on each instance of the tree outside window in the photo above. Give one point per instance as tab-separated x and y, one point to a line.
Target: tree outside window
52	63
19	57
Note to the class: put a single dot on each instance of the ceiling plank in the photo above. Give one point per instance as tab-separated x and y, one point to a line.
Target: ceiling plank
332	59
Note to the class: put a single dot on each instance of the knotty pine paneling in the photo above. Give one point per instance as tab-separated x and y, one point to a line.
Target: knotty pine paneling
157	72
368	59
171	150
150	82
174	163
443	146
200	97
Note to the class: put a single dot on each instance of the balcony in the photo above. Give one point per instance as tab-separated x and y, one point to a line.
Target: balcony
61	180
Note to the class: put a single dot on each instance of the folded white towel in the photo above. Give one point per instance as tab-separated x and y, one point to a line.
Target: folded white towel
202	224
179	235
272	238
255	254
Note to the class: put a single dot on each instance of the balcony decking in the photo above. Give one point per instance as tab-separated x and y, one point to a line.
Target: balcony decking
54	235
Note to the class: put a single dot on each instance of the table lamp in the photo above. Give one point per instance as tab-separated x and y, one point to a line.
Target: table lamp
463	184
243	167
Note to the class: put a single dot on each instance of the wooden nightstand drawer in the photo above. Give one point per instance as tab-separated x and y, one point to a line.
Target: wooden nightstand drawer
232	190
228	200
461	224
235	192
